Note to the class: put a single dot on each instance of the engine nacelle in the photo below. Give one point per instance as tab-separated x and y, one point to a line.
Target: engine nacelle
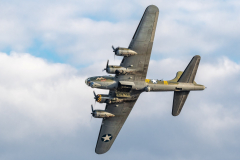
119	70
104	98
124	52
101	114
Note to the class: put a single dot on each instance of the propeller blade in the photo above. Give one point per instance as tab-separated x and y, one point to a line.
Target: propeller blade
107	64
94	94
92	108
113	48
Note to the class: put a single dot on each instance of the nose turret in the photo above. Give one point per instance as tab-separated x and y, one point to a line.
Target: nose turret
87	81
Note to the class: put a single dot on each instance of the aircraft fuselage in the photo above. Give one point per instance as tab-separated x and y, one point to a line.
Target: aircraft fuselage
109	82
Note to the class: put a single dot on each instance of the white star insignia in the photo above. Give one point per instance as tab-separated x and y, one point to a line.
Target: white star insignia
154	81
107	137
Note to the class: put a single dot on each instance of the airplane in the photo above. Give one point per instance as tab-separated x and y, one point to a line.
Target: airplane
130	81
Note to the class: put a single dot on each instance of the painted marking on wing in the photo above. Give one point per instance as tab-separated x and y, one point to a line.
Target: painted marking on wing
165	82
106	137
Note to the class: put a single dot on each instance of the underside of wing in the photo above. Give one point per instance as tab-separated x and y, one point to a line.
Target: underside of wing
142	43
111	126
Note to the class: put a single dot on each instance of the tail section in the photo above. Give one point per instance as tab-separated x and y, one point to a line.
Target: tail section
187	76
189	73
178	101
178	75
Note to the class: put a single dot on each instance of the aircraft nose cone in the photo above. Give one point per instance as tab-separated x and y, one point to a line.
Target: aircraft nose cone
87	81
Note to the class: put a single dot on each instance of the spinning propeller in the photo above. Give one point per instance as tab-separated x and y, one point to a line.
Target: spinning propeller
96	97
115	50
106	66
92	112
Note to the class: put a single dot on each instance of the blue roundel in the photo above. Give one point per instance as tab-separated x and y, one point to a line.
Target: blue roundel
106	137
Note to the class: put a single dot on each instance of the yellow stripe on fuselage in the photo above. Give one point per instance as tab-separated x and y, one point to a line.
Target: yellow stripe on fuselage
147	80
165	82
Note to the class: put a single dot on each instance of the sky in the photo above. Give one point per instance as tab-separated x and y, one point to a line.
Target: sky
48	48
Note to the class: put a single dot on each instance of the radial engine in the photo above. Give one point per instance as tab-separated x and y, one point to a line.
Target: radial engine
112	69
119	51
101	113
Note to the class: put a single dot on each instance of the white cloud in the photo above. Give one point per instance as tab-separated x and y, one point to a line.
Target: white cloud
37	96
50	100
86	33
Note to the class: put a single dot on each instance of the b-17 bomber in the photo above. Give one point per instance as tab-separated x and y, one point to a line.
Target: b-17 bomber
129	81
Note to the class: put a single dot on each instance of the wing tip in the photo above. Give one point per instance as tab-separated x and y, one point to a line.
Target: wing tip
175	114
152	8
100	151
197	56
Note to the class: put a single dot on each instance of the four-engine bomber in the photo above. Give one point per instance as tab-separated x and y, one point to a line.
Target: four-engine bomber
130	81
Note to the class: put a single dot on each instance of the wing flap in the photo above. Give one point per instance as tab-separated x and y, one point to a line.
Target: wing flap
178	101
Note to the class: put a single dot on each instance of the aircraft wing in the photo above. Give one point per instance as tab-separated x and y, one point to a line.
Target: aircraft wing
111	126
142	43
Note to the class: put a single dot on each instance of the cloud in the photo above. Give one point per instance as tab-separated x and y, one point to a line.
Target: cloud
85	34
47	105
37	96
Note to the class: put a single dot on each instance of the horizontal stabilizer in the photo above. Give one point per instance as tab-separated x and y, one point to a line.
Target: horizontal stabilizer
189	73
178	101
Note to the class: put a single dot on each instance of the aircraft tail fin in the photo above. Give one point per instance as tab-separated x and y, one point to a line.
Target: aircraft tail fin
189	73
187	76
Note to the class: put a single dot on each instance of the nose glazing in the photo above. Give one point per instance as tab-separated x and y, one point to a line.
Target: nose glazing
87	81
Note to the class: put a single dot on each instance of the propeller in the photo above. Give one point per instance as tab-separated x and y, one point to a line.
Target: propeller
106	66
92	112
92	109
95	96
114	50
